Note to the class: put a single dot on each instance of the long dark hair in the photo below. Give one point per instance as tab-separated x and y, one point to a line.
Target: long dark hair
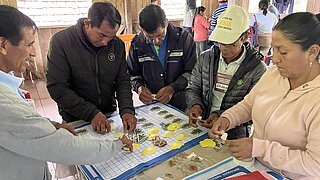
198	10
263	5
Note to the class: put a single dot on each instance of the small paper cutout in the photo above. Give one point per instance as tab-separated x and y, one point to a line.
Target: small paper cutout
149	150
173	126
207	143
176	145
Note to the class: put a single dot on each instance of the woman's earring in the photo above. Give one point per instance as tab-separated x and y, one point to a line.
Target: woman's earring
310	64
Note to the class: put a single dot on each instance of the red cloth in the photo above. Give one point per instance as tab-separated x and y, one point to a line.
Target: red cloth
256	175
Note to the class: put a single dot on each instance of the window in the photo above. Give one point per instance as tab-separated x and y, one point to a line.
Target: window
174	9
298	6
54	12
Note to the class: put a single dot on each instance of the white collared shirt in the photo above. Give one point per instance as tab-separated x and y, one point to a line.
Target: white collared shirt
223	78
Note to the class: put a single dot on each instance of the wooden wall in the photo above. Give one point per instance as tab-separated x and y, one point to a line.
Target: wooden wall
313	6
129	10
12	3
210	6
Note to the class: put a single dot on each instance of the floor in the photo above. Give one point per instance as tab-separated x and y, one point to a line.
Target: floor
48	108
43	102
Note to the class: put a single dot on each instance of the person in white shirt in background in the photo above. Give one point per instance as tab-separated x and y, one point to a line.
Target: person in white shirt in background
265	22
273	10
28	140
189	12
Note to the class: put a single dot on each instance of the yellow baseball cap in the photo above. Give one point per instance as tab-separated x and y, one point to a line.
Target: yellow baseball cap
230	25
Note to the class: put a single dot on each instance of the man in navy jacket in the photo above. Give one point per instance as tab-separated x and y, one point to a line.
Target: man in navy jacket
161	59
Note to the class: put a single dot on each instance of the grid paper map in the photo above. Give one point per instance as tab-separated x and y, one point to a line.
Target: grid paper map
126	164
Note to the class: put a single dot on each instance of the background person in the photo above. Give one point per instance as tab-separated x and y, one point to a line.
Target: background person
200	25
265	22
189	13
284	105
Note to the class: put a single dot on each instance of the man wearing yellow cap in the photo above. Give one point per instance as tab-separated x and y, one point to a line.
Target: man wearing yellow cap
225	73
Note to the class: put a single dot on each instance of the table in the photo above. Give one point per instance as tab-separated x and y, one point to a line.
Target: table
186	163
169	170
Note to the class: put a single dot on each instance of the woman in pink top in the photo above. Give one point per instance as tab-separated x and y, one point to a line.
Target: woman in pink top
200	26
284	105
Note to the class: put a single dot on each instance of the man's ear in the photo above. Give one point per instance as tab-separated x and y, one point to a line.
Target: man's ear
3	45
87	23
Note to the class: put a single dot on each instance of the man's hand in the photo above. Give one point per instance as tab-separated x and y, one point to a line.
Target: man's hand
100	123
209	122
165	94
144	94
219	127
240	148
66	127
127	142
129	122
194	113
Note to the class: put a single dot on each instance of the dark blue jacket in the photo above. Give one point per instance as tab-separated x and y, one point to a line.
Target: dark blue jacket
146	70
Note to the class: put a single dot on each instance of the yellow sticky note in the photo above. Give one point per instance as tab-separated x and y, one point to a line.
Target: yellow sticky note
149	150
153	131
176	145
168	134
113	127
135	146
207	143
181	136
173	126
117	135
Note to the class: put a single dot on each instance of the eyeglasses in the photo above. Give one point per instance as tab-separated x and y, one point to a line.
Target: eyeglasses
160	36
228	45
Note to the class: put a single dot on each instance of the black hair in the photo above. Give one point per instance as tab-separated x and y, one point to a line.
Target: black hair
198	10
302	28
12	23
151	18
263	5
191	4
100	11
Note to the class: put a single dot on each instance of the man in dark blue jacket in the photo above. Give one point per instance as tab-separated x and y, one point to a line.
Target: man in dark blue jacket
161	59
